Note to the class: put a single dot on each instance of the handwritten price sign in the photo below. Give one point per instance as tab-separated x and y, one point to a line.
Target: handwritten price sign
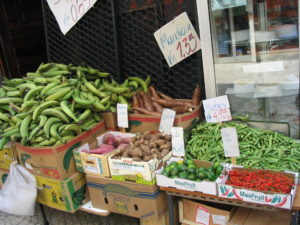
217	109
177	39
69	12
230	142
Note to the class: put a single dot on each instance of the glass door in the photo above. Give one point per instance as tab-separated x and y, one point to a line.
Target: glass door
255	53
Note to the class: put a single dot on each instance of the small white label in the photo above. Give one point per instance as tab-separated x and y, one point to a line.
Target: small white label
217	109
91	169
68	13
230	142
84	147
177	39
219	219
177	141
122	114
202	216
167	120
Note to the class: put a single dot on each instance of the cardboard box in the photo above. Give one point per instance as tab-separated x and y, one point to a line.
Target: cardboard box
245	216
7	155
280	200
3	176
142	122
206	187
125	169
193	213
67	195
110	120
96	164
136	200
56	162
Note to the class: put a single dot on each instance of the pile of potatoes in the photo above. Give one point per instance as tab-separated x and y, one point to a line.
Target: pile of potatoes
146	146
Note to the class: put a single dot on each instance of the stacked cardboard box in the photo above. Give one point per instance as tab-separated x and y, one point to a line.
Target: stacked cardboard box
60	186
7	156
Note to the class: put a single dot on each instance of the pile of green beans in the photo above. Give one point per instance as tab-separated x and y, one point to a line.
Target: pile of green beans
258	148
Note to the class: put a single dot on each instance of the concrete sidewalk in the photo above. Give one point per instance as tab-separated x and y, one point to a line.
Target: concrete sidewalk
56	217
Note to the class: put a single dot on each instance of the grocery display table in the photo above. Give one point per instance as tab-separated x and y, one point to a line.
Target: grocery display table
173	192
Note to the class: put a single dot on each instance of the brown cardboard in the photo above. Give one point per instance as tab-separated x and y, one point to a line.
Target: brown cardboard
56	162
245	216
110	119
3	175
136	200
188	211
142	122
67	195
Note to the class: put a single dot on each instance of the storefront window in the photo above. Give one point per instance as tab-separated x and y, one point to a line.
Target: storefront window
256	57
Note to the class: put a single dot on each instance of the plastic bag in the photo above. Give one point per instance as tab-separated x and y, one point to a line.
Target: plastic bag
19	192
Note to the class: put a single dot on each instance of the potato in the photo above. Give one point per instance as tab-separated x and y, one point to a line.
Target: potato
138	159
147	153
152	145
147	158
166	146
136	152
154	138
146	142
160	142
157	155
144	147
125	154
147	136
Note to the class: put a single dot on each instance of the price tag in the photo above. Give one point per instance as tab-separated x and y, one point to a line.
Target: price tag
177	39
177	141
217	109
166	121
230	142
68	12
122	114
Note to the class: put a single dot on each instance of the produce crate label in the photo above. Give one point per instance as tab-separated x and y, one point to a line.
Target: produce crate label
185	184
68	13
122	115
167	121
202	216
230	142
217	109
128	166
277	200
177	141
177	39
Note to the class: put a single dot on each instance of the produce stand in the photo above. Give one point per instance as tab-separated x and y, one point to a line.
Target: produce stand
173	193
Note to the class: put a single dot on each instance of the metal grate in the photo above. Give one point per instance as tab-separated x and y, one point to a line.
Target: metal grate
117	36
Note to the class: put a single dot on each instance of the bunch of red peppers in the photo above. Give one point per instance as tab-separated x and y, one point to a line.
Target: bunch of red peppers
262	180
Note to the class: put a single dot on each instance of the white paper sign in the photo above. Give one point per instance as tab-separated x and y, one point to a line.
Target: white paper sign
68	12
202	216
177	141
167	121
219	219
177	39
122	115
230	142
217	109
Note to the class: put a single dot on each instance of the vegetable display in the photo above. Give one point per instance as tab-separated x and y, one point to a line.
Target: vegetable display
262	180
259	148
187	169
146	146
153	102
110	143
58	102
